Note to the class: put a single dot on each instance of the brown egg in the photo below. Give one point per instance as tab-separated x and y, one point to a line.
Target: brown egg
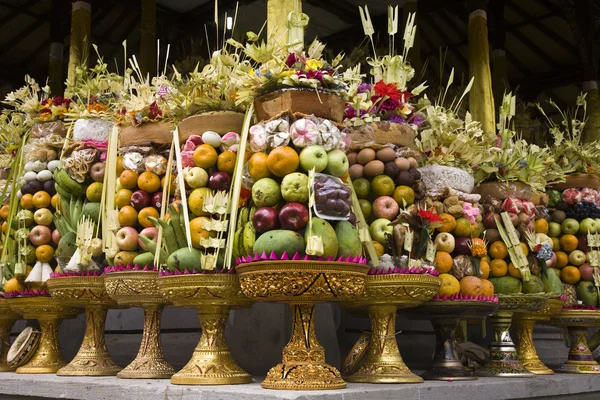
352	158
356	171
402	163
413	162
386	154
365	156
374	168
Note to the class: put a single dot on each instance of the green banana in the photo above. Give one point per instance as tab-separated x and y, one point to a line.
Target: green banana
243	215
61	191
176	224
148	244
237	239
249	237
252	212
167	234
68	183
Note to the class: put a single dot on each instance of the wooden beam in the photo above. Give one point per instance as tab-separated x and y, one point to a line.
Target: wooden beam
42	18
340	8
462	60
17	10
529	43
11	42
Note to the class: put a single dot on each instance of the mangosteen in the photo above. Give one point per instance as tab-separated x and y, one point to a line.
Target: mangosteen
404	178
35	186
415	173
26	189
391	169
49	187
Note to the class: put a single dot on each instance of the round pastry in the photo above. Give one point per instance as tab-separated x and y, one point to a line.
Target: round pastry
23	348
304	133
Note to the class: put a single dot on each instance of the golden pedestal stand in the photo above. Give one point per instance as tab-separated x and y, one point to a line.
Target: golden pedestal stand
302	284
580	359
504	360
7	320
49	313
87	292
139	289
524	324
384	294
213	295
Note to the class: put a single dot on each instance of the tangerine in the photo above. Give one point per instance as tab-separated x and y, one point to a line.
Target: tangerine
498	250
570	274
5	228
443	260
498	267
44	253
54	201
205	156
26	201
198	231
525	248
484	268
226	162
128	179
448	224
120	167
379	249
171	187
568	243
128	216
94	192
449	286
148	181
4	211
562	259
555	243
41	199
541	226
123	198
144	214
514	271
257	167
13	285
283	161
471	286
488	287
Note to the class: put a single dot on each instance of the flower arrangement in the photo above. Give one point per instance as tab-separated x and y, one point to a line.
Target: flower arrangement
388	98
414	241
570	153
12	129
36	104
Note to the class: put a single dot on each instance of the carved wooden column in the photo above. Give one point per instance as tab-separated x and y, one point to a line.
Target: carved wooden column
81	21
277	18
148	38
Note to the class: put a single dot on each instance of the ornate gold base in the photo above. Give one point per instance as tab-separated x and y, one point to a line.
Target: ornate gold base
5	328
383	362
92	359
526	349
580	359
303	366
150	362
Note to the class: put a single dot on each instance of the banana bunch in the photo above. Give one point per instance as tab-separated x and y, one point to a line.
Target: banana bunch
245	235
66	186
173	231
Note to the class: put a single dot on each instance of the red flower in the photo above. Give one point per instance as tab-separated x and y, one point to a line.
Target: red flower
429	216
387	90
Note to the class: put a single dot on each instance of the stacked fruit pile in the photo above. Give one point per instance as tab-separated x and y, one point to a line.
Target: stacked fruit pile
293	168
575	219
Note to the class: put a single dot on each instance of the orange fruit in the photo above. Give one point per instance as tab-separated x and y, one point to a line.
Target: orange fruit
484	268
443	260
498	267
498	250
555	243
525	248
568	243
570	274
94	192
471	286
379	249
450	285
13	285
247	156
541	226
5	228
144	214
488	287
4	211
283	161
513	271
226	162
149	182
120	167
197	230
26	201
123	198
41	199
205	156
171	184
54	201
128	216
448	224
562	259
44	253
129	179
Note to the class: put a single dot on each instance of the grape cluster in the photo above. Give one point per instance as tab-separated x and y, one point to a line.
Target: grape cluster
581	210
332	198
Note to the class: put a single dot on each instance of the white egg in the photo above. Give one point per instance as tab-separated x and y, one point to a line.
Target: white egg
52	165
39	166
28	166
19	194
30	176
44	175
211	138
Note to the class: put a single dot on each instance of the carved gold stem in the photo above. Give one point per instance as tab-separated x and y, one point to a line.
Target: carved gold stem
526	348
47	359
150	362
383	362
211	363
5	328
92	359
303	366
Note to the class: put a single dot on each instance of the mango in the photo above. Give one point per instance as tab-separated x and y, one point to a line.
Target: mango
506	285
183	259
587	293
92	210
552	282
322	228
66	245
348	240
144	259
533	285
125	257
280	240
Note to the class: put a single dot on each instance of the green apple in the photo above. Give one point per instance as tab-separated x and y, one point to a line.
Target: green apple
366	207
588	225
337	163
362	187
294	187
554	229
195	177
382	185
313	157
379	228
43	216
570	226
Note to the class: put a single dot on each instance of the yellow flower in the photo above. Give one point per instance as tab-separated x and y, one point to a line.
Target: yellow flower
285	74
46	116
313	64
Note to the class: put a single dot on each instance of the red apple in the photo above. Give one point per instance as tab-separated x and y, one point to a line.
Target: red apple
56	237
156	200
265	219
140	199
293	216
219	181
461	245
150	233
40	235
97	172
385	207
587	272
524	218
489	221
582	243
492	235
127	239
514	218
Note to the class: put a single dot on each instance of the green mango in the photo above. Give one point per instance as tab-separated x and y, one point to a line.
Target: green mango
66	245
279	240
348	240
183	259
92	210
533	285
587	293
506	285
144	259
552	282
322	228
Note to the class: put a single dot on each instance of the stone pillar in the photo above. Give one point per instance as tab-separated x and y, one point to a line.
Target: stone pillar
148	38
481	100
277	18
55	66
414	57
81	21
